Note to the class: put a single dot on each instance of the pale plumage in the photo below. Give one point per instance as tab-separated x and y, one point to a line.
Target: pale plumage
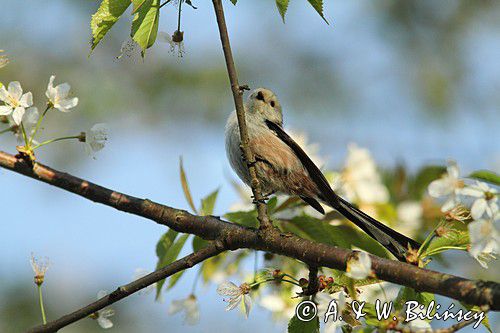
282	166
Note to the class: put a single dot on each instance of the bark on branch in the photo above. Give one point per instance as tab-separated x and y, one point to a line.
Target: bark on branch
240	112
233	236
126	290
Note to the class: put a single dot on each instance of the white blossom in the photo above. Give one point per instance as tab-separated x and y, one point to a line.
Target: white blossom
95	138
311	149
485	202
419	326
102	316
15	101
359	266
410	216
189	307
323	299
29	120
448	186
237	295
39	267
58	96
131	50
176	41
484	240
360	178
280	309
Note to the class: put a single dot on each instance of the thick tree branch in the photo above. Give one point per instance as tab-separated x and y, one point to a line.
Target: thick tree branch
240	112
234	237
126	290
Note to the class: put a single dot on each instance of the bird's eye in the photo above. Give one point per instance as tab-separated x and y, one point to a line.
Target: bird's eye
260	96
272	104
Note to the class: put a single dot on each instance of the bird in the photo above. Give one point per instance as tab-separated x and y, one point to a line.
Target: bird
282	167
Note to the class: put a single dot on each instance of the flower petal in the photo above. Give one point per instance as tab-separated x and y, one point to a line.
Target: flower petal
106	313
104	322
66	104
452	170
4	94
247	304
18	114
471	192
478	208
5	110
175	307
62	90
15	90
31	117
51	91
26	100
449	204
227	288
233	302
359	267
439	188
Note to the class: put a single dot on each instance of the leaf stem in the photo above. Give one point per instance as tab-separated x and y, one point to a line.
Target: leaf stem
25	137
56	139
8	129
42	309
179	16
39	122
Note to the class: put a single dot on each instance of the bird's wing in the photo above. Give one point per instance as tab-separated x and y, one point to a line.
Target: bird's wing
395	242
314	172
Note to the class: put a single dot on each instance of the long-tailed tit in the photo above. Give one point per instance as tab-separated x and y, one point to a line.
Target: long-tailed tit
283	167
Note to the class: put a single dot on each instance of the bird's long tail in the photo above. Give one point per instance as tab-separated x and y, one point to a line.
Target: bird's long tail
392	240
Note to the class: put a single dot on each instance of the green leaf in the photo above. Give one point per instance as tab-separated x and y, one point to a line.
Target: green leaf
199	243
406	294
271	204
174	278
485	322
185	186
165	243
169	256
162	248
263	275
208	203
145	23
106	16
137	5
282	7
454	236
318	6
234	2
298	326
248	219
343	235
487	176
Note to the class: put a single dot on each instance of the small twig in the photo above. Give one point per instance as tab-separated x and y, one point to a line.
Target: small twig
455	327
237	90
165	3
126	290
313	286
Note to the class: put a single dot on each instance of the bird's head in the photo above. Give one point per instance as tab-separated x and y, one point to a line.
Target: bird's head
263	104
